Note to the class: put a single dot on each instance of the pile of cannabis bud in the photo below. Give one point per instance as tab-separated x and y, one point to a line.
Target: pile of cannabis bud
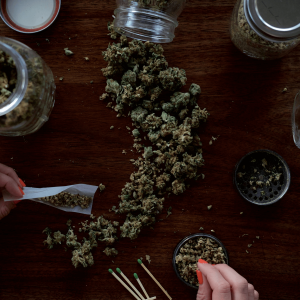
192	251
65	199
140	81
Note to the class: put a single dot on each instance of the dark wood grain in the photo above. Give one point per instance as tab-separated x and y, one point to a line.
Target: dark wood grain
248	111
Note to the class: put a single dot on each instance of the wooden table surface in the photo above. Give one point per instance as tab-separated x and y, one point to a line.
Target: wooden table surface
248	110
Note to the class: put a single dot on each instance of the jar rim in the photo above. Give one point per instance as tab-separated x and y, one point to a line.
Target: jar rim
144	24
22	78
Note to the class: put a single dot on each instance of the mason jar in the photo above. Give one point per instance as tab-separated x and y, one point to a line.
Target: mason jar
148	20
265	29
26	89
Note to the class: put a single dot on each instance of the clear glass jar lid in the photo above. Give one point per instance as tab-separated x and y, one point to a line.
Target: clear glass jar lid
279	20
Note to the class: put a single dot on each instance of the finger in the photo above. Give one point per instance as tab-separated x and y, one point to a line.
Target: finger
239	285
250	292
5	208
220	287
11	173
10	185
204	290
256	295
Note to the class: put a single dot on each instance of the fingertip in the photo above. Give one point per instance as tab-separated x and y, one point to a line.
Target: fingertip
14	190
22	182
202	261
16	201
21	191
11	186
199	276
202	265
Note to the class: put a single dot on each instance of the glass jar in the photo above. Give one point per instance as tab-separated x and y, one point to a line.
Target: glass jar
296	120
265	29
27	89
148	20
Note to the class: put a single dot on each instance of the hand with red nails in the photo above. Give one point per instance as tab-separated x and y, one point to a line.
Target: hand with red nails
10	181
220	282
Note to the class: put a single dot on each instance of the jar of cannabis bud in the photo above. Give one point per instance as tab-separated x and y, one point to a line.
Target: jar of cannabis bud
148	20
265	29
26	89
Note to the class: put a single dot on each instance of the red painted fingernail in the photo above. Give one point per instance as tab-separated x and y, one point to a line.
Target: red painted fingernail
22	182
200	277
17	201
21	191
213	264
202	261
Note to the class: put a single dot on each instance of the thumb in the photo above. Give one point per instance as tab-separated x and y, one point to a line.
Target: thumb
5	208
10	185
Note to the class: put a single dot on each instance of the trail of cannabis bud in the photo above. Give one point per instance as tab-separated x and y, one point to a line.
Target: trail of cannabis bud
139	78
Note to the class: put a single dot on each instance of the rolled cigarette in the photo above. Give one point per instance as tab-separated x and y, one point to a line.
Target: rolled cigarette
124	284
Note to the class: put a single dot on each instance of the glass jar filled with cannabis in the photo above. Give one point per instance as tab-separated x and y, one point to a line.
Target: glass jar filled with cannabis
265	29
27	89
148	20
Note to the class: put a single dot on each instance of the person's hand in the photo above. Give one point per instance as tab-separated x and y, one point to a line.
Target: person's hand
10	181
220	282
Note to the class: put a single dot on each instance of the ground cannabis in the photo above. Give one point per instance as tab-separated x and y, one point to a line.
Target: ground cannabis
192	251
65	199
261	176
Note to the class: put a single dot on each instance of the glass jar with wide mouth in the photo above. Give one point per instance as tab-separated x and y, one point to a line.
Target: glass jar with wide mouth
26	89
265	29
148	20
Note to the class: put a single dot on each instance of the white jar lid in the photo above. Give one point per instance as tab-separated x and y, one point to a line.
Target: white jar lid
29	16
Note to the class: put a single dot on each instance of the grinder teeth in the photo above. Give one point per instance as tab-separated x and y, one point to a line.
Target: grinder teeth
262	177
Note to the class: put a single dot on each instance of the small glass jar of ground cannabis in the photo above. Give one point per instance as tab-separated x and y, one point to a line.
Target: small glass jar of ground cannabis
26	89
265	29
148	20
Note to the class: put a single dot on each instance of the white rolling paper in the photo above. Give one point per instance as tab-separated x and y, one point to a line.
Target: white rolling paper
35	193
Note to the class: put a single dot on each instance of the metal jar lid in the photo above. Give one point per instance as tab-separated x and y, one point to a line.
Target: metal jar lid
274	20
29	16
